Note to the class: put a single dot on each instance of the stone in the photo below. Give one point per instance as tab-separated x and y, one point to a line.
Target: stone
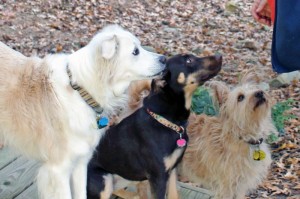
231	6
197	50
251	45
170	29
174	31
284	79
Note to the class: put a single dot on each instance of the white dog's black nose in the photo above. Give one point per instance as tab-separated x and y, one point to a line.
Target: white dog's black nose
259	94
163	59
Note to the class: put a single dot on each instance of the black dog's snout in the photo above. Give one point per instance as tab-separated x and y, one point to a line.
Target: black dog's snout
163	59
259	94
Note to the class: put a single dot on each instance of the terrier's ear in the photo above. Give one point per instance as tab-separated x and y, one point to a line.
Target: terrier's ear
138	90
139	87
157	85
251	76
109	47
219	90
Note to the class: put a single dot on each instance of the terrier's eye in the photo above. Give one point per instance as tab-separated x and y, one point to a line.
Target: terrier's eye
241	97
136	51
188	61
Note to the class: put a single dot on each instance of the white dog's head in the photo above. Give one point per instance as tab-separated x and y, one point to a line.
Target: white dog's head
110	62
120	52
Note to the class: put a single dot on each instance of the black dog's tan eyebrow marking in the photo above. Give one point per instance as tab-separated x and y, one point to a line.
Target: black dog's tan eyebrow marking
191	79
190	87
181	78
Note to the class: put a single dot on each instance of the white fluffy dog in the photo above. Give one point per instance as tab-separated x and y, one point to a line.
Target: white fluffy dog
48	106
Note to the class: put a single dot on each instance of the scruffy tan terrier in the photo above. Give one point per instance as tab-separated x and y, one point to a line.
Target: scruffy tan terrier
227	153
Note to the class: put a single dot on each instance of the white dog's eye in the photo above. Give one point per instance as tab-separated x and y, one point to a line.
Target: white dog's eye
241	97
136	51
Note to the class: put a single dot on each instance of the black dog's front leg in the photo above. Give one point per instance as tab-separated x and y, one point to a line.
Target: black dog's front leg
99	183
158	184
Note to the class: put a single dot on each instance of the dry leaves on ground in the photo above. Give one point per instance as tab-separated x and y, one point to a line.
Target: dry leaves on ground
170	27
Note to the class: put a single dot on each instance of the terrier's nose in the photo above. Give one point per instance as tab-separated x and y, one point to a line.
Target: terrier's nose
259	94
162	59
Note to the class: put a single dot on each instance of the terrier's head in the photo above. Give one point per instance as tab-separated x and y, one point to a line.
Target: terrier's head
245	109
246	105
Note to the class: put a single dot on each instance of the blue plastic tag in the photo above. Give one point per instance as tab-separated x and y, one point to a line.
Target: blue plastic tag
102	122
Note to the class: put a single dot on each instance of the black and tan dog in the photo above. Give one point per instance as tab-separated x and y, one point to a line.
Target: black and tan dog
150	143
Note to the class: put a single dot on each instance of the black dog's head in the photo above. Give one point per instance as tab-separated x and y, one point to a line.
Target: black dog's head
185	72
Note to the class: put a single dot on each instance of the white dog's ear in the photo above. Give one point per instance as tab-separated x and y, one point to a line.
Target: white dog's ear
109	47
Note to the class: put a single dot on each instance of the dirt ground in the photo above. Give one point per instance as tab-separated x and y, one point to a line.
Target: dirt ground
202	27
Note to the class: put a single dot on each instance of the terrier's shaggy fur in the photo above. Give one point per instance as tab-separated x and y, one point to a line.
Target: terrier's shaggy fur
220	153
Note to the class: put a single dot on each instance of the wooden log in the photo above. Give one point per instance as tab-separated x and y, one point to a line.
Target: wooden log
17	176
7	156
29	193
190	192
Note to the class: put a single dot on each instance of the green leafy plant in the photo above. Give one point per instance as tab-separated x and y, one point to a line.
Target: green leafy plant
279	114
202	102
272	138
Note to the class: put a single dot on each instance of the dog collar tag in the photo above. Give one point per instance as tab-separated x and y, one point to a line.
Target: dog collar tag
259	155
102	122
181	142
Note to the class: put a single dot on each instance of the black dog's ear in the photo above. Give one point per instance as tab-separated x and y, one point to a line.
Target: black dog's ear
167	76
157	85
